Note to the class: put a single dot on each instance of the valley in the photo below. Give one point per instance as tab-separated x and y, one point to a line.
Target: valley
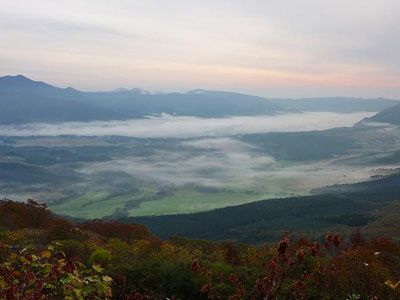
131	153
122	176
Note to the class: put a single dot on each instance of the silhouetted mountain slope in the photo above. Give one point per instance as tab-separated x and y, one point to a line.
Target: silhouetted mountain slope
15	83
390	115
194	103
23	100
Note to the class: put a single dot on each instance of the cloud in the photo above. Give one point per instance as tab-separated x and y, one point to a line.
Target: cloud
229	163
270	48
51	26
220	162
167	126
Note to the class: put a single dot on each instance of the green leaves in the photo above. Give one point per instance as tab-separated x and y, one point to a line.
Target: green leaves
97	268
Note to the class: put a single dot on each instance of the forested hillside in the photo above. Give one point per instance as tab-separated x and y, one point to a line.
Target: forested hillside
43	256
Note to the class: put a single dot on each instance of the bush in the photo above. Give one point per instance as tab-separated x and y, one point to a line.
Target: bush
100	257
33	274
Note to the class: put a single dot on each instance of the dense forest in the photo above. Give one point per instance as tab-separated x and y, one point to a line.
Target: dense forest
44	256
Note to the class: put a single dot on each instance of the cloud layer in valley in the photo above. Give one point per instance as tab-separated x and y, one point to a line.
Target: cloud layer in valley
227	162
220	161
167	126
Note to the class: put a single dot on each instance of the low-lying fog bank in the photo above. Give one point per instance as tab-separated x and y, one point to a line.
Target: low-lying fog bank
167	126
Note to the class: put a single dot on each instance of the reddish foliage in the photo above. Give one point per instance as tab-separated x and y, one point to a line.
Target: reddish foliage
283	245
291	270
196	266
205	289
113	229
231	253
29	214
60	229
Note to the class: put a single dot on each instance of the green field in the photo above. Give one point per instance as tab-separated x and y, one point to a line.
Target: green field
97	204
184	200
189	201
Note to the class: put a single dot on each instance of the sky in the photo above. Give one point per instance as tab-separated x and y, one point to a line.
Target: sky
271	48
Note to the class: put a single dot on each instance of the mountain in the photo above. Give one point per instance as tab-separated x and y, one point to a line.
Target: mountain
390	115
23	100
197	103
13	83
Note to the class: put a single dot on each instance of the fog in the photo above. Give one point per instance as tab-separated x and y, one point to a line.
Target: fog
227	162
167	126
220	161
205	158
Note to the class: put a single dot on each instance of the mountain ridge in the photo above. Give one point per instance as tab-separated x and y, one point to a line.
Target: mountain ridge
23	100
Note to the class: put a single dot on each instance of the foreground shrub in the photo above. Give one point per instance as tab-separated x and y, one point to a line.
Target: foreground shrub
112	229
100	257
144	267
47	274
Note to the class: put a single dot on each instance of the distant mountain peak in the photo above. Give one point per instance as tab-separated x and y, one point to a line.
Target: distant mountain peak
12	81
15	78
20	77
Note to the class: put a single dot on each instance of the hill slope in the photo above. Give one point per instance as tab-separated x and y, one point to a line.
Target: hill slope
338	208
390	115
23	100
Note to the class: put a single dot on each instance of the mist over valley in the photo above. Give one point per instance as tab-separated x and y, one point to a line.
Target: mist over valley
164	162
